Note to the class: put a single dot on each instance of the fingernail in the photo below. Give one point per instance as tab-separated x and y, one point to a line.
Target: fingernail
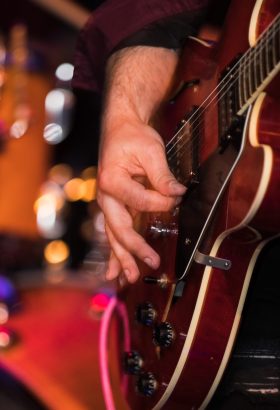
127	273
178	200
149	262
122	280
177	188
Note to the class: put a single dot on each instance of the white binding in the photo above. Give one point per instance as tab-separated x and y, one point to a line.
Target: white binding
252	35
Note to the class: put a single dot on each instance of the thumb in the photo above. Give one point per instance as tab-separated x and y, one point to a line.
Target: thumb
162	178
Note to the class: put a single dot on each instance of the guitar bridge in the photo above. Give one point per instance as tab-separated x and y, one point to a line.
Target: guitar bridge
213	261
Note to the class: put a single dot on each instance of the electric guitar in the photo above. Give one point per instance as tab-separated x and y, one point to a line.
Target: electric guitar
223	140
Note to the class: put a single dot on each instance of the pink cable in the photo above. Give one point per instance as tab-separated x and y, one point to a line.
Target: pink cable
113	304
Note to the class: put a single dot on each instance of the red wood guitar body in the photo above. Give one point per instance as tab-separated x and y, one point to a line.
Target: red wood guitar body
184	317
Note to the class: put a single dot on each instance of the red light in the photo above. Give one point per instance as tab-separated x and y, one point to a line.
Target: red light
99	302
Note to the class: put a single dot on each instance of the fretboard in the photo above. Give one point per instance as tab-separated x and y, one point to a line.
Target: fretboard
258	66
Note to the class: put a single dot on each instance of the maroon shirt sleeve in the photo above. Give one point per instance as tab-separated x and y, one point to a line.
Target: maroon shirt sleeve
110	24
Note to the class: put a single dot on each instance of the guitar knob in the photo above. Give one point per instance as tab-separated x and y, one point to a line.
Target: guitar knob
132	362
146	314
146	384
163	334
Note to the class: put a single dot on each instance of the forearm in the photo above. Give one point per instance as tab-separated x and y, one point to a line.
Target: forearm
133	92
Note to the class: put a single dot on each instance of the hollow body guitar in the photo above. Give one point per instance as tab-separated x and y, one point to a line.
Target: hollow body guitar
223	140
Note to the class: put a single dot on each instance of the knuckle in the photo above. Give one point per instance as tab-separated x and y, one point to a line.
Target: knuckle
103	180
99	198
140	203
162	179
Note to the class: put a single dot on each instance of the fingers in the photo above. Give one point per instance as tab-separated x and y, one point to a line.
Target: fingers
161	177
114	267
125	242
119	179
121	261
120	222
163	181
135	152
135	195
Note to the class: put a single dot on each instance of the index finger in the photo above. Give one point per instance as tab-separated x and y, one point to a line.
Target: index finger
134	194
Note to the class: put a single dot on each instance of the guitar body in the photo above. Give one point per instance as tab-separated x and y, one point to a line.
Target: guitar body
184	317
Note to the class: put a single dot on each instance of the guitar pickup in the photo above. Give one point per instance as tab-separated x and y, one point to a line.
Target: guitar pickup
213	261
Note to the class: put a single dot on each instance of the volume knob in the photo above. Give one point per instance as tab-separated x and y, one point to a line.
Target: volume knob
146	314
132	362
163	334
146	384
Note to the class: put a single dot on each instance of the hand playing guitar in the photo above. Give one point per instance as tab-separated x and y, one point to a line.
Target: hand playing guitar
133	152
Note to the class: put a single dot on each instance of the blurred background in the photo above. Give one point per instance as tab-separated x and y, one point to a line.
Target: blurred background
53	250
48	132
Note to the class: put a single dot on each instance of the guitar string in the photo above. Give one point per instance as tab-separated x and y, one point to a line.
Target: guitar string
193	143
257	50
252	52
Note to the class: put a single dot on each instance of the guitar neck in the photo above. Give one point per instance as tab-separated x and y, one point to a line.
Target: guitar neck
257	68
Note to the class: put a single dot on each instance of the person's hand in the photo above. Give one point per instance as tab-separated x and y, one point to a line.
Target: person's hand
131	153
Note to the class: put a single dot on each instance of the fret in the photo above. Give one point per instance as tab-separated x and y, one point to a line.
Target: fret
247	77
244	82
265	55
262	64
256	63
251	83
240	89
269	57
